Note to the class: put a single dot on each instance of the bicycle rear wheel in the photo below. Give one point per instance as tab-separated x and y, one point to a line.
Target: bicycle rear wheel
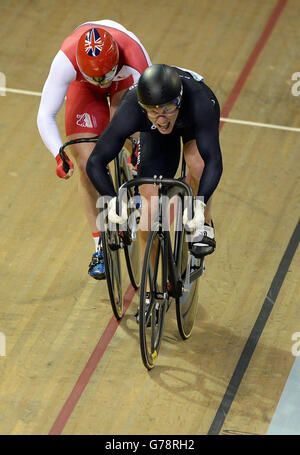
186	304
152	313
112	265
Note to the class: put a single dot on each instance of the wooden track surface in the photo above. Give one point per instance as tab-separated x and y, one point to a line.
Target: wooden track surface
69	368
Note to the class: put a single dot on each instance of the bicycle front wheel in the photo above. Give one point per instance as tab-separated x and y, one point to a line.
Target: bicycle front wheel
112	265
153	299
131	251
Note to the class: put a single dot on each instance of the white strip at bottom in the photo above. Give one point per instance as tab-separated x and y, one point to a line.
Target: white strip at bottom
286	419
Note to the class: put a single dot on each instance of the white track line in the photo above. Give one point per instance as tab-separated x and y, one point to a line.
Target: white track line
239	122
21	92
263	125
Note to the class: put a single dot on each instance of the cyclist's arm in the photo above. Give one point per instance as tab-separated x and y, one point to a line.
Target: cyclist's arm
107	148
61	74
115	102
124	123
207	138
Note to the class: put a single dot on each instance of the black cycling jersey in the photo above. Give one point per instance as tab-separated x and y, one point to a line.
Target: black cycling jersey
198	118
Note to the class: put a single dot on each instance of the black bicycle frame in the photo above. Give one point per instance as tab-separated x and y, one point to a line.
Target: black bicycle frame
168	187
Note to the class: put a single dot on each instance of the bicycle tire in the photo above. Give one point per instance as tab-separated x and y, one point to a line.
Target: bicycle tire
151	318
113	275
131	251
187	303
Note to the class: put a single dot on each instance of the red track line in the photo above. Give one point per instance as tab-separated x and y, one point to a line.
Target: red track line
252	59
90	367
111	328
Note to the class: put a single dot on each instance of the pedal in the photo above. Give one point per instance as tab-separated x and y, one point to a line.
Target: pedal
125	237
197	264
113	243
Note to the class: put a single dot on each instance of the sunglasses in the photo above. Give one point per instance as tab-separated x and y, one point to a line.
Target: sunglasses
103	80
169	108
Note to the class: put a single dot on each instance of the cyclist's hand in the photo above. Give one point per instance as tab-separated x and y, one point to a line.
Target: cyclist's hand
198	220
60	169
112	212
133	157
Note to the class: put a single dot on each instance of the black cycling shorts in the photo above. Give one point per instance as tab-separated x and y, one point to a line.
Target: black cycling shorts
159	154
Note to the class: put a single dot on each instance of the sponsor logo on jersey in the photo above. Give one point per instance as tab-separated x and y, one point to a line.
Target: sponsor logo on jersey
86	121
93	43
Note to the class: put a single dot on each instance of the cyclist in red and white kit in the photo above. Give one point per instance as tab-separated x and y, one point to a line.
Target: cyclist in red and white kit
94	67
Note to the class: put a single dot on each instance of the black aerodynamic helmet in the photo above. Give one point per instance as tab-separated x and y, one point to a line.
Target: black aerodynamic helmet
159	84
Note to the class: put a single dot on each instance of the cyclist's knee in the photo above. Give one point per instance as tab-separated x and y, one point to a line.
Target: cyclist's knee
92	164
149	206
81	162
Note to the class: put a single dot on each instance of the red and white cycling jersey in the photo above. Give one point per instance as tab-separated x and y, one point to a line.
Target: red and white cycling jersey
133	60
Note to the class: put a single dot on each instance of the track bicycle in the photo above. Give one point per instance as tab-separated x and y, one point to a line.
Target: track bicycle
112	241
170	272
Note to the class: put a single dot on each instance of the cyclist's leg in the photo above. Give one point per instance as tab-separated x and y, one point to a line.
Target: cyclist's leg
158	155
203	241
195	164
87	114
193	155
87	191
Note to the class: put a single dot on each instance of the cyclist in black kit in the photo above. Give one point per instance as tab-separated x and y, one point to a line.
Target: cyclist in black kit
166	105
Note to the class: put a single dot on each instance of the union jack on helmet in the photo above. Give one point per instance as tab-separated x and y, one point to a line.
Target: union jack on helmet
97	56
